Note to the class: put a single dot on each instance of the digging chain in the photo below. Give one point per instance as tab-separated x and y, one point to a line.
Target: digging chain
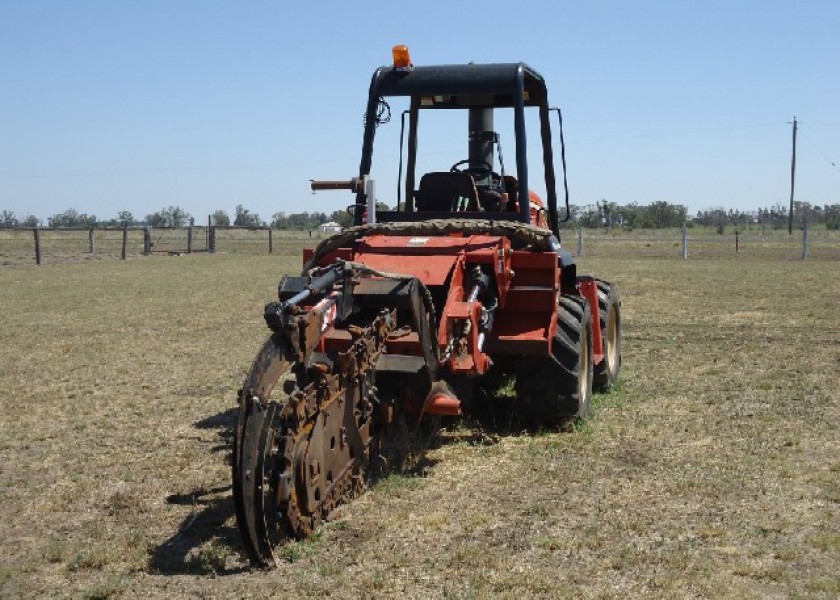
329	394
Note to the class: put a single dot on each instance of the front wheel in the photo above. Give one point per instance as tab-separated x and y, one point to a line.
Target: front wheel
559	386
609	309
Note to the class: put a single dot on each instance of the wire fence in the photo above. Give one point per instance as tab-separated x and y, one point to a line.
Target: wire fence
73	244
56	245
702	243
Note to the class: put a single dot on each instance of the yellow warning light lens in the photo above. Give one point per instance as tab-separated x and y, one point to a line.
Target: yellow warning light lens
402	60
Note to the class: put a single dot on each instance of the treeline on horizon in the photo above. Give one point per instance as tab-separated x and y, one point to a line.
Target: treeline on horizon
603	214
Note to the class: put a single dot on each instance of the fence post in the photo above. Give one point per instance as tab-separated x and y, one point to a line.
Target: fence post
736	242
125	240
804	241
190	236
37	233
580	241
90	240
270	242
147	240
684	242
207	233
211	239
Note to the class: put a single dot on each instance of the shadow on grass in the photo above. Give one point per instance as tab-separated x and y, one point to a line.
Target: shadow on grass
225	424
493	414
202	542
496	413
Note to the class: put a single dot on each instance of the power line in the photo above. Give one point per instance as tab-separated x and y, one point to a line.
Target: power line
678	133
828	159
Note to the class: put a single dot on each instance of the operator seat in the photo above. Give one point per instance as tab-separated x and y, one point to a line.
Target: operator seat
445	191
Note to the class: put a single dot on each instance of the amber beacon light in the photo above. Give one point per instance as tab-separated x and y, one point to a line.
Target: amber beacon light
402	59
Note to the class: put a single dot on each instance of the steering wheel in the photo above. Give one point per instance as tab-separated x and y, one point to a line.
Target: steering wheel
489	193
485	169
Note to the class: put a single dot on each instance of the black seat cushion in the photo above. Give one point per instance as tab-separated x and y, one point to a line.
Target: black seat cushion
446	191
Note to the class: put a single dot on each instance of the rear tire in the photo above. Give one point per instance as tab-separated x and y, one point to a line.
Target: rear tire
556	387
609	309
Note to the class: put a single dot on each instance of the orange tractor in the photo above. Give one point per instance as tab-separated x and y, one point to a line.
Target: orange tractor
404	314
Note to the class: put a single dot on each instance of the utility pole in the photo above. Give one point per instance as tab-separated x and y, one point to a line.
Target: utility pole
792	178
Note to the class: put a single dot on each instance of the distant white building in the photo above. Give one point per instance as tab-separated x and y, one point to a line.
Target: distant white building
330	227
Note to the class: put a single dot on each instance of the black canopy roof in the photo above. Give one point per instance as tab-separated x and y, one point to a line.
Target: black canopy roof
500	80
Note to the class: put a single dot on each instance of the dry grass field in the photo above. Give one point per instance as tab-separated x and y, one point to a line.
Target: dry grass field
712	471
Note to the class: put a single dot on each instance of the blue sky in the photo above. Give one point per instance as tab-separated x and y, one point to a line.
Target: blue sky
137	105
